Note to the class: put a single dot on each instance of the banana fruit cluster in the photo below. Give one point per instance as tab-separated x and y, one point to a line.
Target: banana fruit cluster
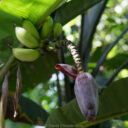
29	37
26	55
49	27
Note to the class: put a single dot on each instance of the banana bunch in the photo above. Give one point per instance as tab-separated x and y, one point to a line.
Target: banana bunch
50	29
26	55
29	37
57	30
48	26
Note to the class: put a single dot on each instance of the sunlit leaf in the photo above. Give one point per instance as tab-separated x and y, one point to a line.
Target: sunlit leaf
13	12
34	10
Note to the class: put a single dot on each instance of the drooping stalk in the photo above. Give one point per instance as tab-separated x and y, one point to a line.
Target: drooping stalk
74	52
7	65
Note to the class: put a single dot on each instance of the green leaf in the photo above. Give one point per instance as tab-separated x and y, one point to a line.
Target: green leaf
10	124
112	103
73	9
116	61
35	112
27	111
34	73
97	53
12	12
34	10
7	34
89	23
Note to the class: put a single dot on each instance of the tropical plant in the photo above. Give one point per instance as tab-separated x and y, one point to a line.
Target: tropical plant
99	48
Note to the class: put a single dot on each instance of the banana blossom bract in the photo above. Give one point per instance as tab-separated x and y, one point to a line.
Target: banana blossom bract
85	89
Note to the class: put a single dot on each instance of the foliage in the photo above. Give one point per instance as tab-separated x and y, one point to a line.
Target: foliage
93	32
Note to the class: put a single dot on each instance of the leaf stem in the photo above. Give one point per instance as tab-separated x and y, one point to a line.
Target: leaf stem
88	28
73	51
68	89
7	65
86	124
59	91
6	68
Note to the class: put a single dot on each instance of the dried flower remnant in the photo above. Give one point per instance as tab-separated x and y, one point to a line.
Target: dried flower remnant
3	102
18	89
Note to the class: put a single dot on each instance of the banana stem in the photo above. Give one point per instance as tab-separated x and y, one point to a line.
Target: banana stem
73	50
7	66
76	57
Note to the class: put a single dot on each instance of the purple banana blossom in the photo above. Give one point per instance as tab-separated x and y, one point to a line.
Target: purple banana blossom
87	95
85	89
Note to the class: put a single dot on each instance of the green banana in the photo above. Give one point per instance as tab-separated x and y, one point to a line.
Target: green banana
47	27
31	29
57	30
26	38
26	55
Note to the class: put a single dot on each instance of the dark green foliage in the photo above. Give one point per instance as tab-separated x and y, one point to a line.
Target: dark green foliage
113	99
112	102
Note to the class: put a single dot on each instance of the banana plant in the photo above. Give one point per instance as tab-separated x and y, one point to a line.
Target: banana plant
32	34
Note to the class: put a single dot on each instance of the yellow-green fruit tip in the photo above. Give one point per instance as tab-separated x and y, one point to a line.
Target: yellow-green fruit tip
48	18
26	38
25	55
31	29
46	28
57	30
